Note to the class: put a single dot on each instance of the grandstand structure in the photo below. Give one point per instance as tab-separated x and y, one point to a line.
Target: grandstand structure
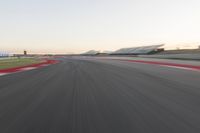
3	54
138	50
180	51
91	52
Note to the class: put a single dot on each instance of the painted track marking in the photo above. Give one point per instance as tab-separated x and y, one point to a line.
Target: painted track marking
28	68
1	74
184	68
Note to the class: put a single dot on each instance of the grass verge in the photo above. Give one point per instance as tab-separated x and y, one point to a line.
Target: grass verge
17	62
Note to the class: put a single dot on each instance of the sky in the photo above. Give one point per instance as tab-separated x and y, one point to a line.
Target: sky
76	26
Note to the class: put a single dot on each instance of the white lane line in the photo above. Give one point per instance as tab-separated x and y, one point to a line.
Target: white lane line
1	74
27	68
185	68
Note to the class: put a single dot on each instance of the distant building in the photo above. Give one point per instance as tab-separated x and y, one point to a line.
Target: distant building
25	52
4	54
91	52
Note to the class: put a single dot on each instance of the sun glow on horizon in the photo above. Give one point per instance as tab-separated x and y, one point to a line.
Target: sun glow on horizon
63	26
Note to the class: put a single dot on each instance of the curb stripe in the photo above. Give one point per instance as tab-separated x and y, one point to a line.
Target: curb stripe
180	68
28	67
1	74
174	65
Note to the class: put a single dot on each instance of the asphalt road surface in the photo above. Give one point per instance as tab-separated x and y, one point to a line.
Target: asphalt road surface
100	96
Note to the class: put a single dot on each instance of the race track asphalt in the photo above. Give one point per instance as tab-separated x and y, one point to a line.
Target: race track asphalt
100	96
